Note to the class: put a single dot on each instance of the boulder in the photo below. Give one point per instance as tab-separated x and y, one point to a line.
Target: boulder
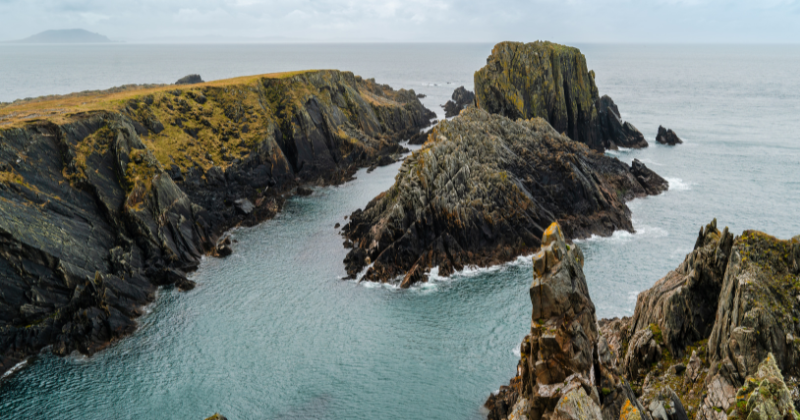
650	180
481	192
765	395
461	99
190	80
667	137
617	133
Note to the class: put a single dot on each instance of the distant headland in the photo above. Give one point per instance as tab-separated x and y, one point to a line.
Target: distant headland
65	36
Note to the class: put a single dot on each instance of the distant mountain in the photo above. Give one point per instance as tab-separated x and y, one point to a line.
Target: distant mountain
66	36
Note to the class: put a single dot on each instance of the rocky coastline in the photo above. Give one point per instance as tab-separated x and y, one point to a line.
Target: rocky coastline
482	190
114	194
714	339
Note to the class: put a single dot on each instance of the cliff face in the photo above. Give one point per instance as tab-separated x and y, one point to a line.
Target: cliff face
708	325
102	199
712	340
552	81
482	191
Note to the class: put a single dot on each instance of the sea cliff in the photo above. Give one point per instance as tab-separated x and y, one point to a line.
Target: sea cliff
108	195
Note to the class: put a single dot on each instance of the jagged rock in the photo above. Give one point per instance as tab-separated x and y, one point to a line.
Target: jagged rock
576	405
223	248
91	222
551	81
667	406
481	191
667	137
461	99
559	375
190	80
615	132
681	306
693	369
630	412
650	180
765	395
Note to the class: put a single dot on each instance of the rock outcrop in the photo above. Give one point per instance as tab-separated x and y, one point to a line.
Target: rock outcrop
564	371
461	99
708	325
190	80
551	81
481	192
765	395
667	137
103	202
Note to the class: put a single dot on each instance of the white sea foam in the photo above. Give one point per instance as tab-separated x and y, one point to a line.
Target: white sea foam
677	184
517	350
622	236
14	369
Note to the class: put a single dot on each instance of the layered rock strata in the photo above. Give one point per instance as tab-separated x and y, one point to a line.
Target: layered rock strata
461	99
108	197
553	82
565	369
481	192
667	137
708	325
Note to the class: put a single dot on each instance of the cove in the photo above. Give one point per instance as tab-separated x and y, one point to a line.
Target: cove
272	332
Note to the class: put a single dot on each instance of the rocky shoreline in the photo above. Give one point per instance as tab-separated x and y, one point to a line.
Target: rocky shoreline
712	340
482	190
112	196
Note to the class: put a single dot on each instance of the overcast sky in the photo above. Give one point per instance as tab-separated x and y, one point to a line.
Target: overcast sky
622	21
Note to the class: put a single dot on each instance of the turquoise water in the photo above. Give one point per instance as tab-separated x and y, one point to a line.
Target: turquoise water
273	333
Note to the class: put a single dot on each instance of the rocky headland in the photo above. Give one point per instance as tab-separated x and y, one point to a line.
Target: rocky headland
461	99
482	190
714	339
105	196
553	82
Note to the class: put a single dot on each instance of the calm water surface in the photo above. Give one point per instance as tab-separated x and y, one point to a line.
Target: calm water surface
272	333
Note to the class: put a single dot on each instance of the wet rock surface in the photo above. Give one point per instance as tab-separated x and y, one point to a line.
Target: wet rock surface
553	82
461	99
99	208
481	192
667	137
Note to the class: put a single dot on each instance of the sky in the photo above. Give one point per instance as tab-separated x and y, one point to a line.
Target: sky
579	21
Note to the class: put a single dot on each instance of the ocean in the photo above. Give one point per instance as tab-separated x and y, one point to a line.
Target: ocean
272	332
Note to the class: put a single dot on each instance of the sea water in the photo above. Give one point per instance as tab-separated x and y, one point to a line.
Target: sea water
272	332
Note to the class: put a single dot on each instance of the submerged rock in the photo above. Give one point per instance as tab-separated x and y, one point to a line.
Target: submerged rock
217	416
667	137
552	81
92	221
461	99
481	192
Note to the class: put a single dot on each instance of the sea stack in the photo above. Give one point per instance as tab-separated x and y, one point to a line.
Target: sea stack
461	99
667	137
552	81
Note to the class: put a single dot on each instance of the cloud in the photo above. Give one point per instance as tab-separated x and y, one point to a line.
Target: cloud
417	20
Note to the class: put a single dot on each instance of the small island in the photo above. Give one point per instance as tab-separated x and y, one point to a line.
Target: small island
65	36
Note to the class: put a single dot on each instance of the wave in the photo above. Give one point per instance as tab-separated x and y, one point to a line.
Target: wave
622	236
14	369
677	184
